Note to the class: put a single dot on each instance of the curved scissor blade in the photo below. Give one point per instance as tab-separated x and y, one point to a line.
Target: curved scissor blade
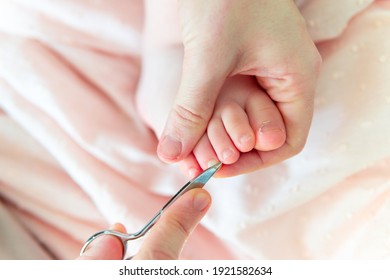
197	182
203	178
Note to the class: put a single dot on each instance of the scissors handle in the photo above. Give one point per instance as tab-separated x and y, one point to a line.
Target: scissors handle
122	236
197	182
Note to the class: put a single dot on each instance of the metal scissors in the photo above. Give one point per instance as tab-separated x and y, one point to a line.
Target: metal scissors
197	182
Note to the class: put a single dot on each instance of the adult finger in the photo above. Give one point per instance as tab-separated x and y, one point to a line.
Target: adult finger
169	235
194	104
294	98
106	247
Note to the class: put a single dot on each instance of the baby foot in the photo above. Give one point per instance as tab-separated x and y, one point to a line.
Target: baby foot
245	118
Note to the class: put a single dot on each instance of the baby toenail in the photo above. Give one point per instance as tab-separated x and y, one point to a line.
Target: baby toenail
226	154
212	163
192	172
245	139
267	126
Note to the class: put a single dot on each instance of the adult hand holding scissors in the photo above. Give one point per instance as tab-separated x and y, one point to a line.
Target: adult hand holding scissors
168	239
168	236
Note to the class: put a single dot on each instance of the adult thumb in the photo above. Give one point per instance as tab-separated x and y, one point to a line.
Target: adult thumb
168	237
192	109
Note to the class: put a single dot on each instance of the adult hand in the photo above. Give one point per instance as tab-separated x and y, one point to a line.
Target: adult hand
222	38
166	240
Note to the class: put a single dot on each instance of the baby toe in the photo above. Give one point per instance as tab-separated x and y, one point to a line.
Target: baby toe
266	121
204	153
236	123
190	167
221	142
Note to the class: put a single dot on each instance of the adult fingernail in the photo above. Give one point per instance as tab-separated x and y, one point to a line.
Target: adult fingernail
117	227
169	148
201	201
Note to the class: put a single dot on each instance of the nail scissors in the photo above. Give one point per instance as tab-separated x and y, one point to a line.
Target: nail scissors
197	182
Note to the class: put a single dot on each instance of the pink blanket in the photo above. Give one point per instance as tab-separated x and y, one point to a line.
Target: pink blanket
85	88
